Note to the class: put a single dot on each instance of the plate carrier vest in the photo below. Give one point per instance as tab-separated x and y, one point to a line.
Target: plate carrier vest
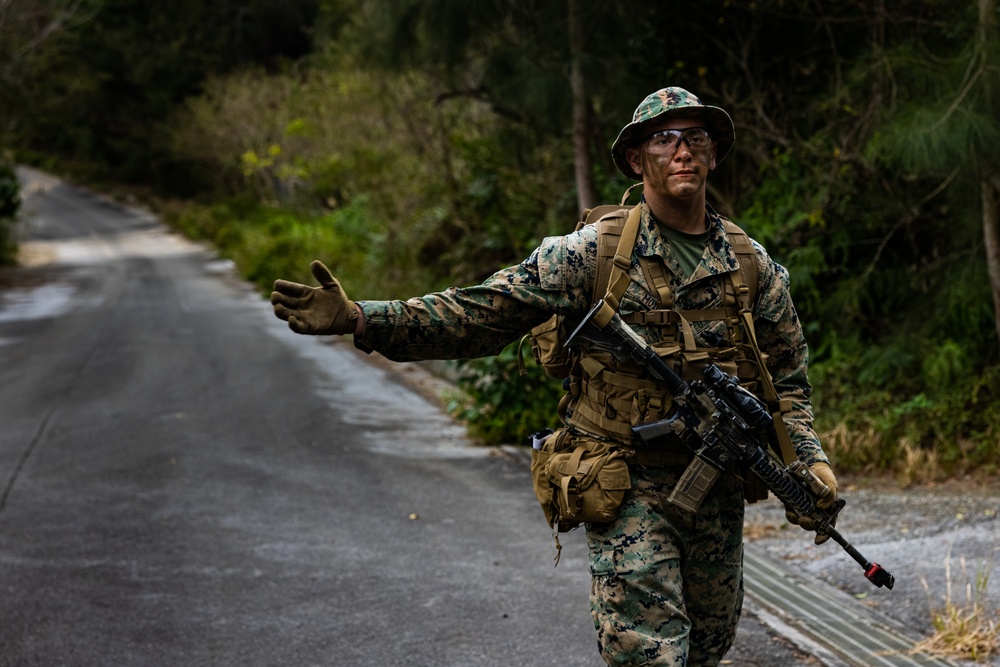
606	398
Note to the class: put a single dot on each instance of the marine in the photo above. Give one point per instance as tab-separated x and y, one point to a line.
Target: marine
667	583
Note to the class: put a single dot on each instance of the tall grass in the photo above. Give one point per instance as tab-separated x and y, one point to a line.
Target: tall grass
964	625
937	434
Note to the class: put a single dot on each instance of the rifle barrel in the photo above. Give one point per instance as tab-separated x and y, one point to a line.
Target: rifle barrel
874	572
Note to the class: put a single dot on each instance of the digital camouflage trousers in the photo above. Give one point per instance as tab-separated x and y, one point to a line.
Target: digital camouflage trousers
667	585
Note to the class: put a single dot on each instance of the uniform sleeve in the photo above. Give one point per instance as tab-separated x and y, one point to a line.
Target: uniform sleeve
779	334
479	321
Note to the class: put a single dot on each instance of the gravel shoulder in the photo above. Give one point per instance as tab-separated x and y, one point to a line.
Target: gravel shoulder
938	540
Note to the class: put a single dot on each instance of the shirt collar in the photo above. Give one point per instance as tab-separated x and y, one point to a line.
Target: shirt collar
719	257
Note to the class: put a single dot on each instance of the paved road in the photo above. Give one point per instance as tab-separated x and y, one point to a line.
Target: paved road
185	482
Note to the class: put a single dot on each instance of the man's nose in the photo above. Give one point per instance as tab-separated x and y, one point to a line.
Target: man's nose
682	145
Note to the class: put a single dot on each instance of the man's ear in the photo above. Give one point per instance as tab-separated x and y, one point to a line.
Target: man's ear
712	162
635	160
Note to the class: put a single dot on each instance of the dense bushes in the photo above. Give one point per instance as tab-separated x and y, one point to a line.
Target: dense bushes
499	404
267	242
10	202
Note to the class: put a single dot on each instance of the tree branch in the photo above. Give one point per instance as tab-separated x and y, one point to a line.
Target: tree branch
912	214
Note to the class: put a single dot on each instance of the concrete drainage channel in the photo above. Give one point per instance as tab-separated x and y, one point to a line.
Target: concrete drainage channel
814	618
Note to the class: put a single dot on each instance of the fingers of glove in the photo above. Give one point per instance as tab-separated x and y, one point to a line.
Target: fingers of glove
823	537
825	474
280	299
282	312
323	275
805	522
288	288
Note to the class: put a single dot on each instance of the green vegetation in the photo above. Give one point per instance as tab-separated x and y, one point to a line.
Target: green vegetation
418	144
500	405
10	202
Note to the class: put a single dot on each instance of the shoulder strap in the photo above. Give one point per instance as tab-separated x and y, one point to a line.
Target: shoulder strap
609	232
616	235
616	269
746	293
746	255
618	281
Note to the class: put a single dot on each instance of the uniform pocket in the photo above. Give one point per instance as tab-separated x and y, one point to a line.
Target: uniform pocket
620	643
551	262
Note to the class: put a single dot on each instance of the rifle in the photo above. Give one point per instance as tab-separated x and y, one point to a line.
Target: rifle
725	425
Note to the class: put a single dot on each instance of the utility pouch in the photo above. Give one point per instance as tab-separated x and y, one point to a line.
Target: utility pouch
578	480
548	349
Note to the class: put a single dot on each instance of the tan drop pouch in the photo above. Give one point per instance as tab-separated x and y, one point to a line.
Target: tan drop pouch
578	480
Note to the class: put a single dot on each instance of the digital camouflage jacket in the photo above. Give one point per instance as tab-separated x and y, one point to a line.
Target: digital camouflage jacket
558	278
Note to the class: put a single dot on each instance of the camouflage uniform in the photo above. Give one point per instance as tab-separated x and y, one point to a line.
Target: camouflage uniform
667	585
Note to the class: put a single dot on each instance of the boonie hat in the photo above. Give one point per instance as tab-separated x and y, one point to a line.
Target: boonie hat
668	102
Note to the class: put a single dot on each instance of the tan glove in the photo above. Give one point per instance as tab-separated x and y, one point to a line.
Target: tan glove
315	310
824	473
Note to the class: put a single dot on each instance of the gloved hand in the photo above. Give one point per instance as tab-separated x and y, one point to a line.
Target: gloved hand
824	473
315	310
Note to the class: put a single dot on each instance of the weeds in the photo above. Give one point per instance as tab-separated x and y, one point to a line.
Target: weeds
963	629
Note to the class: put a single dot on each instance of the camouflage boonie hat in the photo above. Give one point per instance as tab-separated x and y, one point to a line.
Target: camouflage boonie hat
668	102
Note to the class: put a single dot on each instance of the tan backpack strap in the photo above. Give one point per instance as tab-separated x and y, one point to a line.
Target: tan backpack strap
746	294
746	254
614	235
622	262
609	232
628	192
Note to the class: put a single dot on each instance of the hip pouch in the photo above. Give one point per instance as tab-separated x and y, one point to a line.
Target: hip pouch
578	480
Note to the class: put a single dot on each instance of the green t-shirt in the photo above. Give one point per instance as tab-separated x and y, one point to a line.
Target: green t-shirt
687	249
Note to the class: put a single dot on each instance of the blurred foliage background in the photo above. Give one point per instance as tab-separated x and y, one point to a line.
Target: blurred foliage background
416	144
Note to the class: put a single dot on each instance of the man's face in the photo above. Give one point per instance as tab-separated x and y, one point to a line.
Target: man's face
670	172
